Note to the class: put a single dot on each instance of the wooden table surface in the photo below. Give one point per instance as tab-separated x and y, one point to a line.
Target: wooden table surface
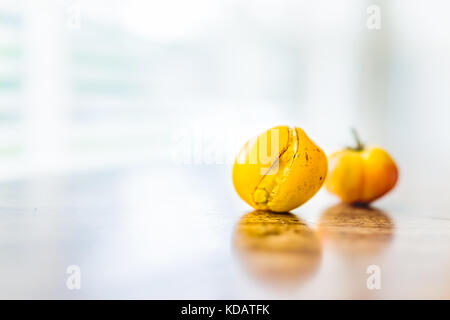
180	232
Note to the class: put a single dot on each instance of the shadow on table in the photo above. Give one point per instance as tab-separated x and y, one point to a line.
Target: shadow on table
277	248
356	230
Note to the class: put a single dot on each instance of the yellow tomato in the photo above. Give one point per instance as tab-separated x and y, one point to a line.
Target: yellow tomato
361	175
279	170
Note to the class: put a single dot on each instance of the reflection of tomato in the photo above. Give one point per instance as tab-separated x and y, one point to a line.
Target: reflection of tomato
278	248
361	174
356	230
295	170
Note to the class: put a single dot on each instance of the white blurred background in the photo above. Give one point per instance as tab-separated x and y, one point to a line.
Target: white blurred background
91	86
95	84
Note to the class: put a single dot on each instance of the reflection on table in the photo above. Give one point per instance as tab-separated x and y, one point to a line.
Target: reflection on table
356	230
279	248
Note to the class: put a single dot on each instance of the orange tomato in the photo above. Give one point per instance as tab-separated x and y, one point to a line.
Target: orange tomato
361	174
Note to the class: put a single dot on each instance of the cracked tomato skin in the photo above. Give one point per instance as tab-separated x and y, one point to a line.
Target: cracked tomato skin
279	170
361	176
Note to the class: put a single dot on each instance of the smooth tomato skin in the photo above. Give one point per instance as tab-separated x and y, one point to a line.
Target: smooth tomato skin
361	176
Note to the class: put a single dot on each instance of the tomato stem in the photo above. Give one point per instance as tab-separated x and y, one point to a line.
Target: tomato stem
359	145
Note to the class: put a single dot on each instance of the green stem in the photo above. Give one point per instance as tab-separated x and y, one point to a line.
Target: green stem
359	145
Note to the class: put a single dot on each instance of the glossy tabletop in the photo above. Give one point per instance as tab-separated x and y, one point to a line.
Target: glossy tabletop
181	232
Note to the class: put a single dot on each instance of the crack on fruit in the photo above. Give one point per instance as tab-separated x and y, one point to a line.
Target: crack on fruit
275	162
261	196
279	178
